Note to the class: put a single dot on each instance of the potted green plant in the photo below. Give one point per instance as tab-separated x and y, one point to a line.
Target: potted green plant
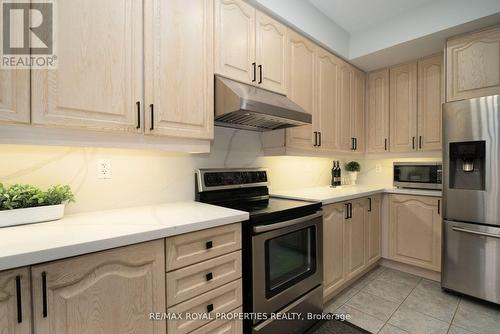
353	168
25	204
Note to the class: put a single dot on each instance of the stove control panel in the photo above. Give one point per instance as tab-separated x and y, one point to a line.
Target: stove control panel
213	179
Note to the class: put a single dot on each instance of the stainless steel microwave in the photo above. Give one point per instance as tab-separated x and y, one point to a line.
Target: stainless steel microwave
420	175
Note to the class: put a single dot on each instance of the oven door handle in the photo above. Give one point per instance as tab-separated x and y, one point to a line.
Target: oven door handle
272	227
484	234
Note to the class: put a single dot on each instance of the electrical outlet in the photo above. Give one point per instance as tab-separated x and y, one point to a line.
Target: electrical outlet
104	169
378	168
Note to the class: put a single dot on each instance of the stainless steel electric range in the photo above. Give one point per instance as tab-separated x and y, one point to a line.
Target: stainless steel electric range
282	248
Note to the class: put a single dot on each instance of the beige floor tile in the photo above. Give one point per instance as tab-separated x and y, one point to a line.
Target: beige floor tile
390	329
395	291
458	330
428	298
376	306
339	300
396	276
417	323
361	319
479	317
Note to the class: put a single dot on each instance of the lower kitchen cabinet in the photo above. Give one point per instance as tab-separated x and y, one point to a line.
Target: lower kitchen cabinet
15	301
107	292
415	231
351	241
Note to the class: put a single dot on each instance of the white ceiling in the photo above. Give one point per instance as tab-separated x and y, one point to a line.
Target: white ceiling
357	15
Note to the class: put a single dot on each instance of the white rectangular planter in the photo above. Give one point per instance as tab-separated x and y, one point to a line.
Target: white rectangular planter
37	214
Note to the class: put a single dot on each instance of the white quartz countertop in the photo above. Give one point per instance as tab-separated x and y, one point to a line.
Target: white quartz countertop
94	231
329	195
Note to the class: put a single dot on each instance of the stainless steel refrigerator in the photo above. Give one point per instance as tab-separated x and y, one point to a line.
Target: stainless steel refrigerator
471	193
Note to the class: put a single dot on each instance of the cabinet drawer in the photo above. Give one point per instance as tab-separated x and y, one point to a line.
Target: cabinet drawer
222	326
223	299
190	248
194	280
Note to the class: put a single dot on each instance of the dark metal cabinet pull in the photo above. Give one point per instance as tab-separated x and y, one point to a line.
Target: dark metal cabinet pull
319	136
210	307
346	210
209	244
355	144
419	141
151	107
439	206
138	115
44	294
369	204
350	210
254	65
352	144
260	74
385	144
19	301
209	276
413	142
315	138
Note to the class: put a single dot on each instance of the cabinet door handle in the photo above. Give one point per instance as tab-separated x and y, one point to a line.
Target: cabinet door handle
439	206
355	144
209	276
350	210
413	143
152	108
209	244
319	136
254	65
385	144
19	300
210	308
315	138
352	144
369	204
138	104
44	294
260	74
420	142
346	211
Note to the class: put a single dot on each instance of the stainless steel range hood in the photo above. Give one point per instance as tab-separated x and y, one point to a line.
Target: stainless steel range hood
243	106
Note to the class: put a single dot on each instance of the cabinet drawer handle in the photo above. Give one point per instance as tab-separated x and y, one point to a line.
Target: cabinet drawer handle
319	138
254	65
419	141
209	244
350	210
260	74
209	276
355	144
413	143
346	211
138	103
210	308
369	204
385	144
315	138
19	300
151	107
44	294
439	206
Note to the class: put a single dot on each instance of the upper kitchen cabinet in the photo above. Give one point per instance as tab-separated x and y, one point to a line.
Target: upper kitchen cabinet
179	85
473	65
15	96
250	47
377	92
271	53
98	82
358	111
327	78
403	107
430	86
15	301
302	88
235	40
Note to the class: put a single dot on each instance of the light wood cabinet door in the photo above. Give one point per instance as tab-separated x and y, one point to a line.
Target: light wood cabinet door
15	96
15	301
378	111
222	326
345	107
271	53
355	239
358	110
327	72
373	247
179	63
429	103
333	247
99	77
415	231
403	107
235	40
301	87
107	292
473	65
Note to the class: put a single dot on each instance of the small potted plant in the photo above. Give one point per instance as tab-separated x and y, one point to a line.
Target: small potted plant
25	204
353	168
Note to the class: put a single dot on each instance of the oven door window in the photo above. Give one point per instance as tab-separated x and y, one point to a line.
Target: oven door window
289	259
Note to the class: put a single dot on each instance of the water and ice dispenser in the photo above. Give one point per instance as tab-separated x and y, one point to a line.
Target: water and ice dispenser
467	165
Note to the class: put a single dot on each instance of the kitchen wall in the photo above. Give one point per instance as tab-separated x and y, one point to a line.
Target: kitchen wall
141	177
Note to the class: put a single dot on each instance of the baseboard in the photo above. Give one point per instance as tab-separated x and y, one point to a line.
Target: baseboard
407	268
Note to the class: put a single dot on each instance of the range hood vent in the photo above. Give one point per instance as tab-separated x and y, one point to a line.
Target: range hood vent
243	106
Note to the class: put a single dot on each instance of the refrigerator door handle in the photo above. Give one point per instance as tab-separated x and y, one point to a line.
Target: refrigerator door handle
484	234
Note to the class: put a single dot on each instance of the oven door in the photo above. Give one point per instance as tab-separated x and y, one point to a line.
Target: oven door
287	261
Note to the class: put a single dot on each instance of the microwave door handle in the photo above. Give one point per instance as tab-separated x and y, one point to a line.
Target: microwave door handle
267	228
